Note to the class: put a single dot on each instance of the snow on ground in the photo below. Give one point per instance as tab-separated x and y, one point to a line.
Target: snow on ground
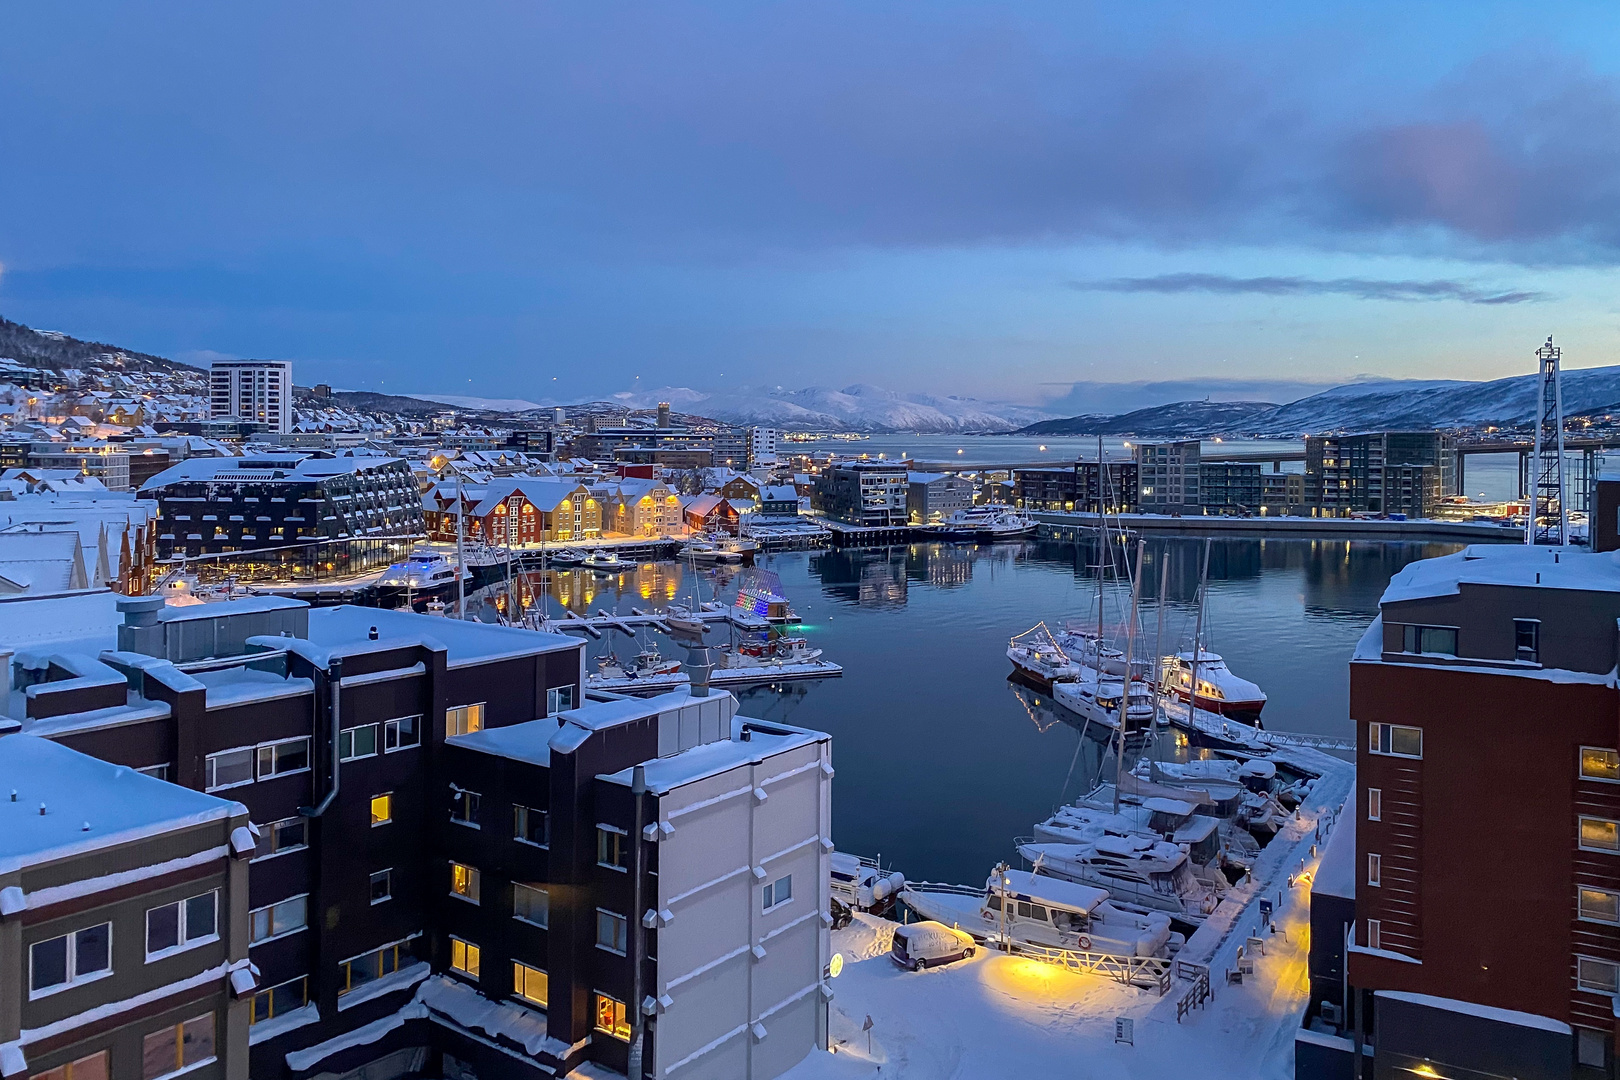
997	1015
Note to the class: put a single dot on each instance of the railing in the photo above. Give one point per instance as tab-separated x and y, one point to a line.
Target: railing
1147	972
1198	993
1300	738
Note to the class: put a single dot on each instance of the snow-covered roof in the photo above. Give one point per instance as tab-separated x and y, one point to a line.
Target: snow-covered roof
78	622
528	741
40	562
345	630
290	467
710	759
1516	565
1484	1012
89	803
1336	873
1081	898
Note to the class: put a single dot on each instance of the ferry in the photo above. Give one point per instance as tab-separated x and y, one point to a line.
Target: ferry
1219	691
992	521
426	573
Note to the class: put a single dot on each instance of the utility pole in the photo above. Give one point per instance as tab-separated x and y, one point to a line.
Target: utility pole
1547	488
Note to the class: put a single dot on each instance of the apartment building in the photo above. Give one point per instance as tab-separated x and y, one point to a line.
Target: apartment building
123	922
1486	932
107	462
933	497
1078	488
257	391
869	493
212	505
1379	472
1229	487
1169	474
461	869
1282	493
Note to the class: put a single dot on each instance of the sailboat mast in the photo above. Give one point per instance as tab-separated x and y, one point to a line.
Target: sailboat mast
1125	682
1158	635
1102	541
1198	634
461	550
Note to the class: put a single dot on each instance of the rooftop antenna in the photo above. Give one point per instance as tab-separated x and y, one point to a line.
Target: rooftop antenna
1547	491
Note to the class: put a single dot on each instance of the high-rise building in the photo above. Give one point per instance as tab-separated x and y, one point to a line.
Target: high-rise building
1168	473
258	391
1379	472
762	447
869	493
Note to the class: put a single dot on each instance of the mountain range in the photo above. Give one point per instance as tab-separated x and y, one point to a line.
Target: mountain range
859	408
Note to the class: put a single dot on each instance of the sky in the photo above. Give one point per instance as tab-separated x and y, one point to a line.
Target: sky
1080	206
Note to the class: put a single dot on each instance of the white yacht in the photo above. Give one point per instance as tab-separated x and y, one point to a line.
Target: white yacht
604	560
1152	820
1096	698
1038	658
1149	872
1219	691
992	521
425	573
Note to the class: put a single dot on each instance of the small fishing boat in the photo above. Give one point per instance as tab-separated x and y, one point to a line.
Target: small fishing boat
860	884
604	561
682	618
566	557
648	671
699	549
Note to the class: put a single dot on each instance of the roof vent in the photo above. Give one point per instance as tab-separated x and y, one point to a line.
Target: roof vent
373	634
41	809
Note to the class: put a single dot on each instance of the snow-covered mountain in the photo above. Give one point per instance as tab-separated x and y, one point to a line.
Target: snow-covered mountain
854	408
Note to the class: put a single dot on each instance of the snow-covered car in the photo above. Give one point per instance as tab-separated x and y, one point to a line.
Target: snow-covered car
928	944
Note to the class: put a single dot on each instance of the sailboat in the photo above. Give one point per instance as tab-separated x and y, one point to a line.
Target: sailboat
683	618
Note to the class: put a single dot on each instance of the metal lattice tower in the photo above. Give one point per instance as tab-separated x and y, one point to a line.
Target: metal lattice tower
1549	517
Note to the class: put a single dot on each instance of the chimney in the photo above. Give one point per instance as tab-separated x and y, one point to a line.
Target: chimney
699	663
663	414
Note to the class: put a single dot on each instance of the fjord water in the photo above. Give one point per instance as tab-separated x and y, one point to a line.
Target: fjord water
940	760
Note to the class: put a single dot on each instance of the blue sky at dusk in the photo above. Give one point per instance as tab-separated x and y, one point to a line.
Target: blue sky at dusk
561	202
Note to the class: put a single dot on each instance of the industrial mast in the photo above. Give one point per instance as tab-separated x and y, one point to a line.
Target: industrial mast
1548	516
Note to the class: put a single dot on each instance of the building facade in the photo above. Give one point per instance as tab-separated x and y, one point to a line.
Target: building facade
933	497
106	462
866	493
1229	487
1379	472
1078	488
1169	474
213	505
257	391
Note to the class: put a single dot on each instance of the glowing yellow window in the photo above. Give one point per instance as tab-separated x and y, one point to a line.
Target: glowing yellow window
531	984
464	881
610	1017
382	808
464	720
1598	763
464	957
1599	834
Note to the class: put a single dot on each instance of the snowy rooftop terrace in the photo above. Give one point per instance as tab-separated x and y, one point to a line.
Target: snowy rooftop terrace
346	630
1508	565
89	804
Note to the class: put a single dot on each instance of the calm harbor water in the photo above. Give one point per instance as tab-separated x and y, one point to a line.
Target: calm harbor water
940	760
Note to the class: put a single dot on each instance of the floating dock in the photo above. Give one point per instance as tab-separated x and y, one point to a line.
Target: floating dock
745	676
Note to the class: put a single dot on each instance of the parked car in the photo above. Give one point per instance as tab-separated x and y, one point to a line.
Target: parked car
929	944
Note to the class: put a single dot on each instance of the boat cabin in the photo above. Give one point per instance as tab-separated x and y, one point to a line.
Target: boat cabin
1062	905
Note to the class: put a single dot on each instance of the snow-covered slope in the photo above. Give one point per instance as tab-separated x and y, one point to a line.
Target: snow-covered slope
854	408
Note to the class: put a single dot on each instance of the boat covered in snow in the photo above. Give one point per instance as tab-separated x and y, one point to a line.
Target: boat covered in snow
1142	870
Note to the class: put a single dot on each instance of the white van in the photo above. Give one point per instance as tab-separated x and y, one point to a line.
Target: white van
927	944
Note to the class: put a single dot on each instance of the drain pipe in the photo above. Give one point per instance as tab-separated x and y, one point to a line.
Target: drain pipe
638	930
334	682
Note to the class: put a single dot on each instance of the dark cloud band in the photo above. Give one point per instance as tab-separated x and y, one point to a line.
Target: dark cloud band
1360	288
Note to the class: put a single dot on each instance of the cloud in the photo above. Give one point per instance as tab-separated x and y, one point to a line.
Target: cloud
1111	398
1360	288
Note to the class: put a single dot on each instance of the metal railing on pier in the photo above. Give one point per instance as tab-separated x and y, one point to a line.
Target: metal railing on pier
1146	972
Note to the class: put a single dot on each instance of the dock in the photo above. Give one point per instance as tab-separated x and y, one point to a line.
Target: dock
747	676
1055	525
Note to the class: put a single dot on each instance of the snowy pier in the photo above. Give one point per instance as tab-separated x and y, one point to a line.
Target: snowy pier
743	676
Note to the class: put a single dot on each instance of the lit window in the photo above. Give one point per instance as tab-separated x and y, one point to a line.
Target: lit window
611	850
382	886
278	837
183	923
464	806
464	719
280	1000
1600	976
612	932
274	920
59	962
1375	869
777	892
1375	804
369	967
531	984
178	1046
531	904
1394	740
464	882
382	808
228	768
1599	763
611	1018
1600	834
402	734
464	957
90	1067
531	826
357	742
1600	905
281	758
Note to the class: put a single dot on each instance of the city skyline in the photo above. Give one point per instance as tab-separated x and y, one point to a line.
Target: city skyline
1014	204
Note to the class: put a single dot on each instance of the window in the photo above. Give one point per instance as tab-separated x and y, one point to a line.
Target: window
281	758
287	917
162	773
1375	804
1431	639
280	1000
1600	905
612	932
1375	869
1592	1047
382	886
60	962
402	734
357	742
92	1067
531	904
182	924
464	882
611	849
464	957
1599	834
178	1046
1395	740
228	768
382	808
559	699
531	984
464	720
1599	976
1599	763
464	806
1527	640
611	1018
531	826
371	966
1374	934
278	837
777	892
